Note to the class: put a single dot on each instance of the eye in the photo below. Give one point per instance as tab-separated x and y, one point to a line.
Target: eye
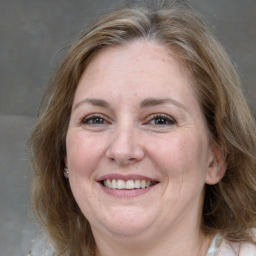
94	119
161	120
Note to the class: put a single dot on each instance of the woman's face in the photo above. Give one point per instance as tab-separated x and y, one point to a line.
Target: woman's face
138	152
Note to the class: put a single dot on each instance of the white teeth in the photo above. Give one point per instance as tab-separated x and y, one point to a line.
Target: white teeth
109	184
137	184
120	184
114	185
129	184
143	184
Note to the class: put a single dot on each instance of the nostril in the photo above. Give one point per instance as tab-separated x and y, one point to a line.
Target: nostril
125	154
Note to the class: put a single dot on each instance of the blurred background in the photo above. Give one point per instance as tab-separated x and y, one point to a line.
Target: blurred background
34	37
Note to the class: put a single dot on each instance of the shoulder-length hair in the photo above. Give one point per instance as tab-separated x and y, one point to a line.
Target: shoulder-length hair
229	206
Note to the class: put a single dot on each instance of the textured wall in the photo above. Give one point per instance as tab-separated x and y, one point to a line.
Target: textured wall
34	34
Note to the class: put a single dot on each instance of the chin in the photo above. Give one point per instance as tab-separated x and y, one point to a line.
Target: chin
128	222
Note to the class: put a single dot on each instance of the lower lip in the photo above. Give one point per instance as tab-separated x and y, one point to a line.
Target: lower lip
126	192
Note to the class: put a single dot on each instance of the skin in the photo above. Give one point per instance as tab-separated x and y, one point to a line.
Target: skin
126	137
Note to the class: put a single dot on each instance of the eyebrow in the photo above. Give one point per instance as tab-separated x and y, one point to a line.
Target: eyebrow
146	103
151	102
93	101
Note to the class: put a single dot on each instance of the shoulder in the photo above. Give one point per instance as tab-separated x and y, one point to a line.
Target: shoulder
41	246
234	249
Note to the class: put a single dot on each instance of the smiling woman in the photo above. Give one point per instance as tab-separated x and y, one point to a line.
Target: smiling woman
144	143
141	137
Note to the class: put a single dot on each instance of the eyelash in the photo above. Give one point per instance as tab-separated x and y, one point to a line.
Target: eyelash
164	118
87	119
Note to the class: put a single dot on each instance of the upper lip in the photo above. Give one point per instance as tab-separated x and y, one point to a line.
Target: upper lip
125	177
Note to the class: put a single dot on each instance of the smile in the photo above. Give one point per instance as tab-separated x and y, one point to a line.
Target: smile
129	184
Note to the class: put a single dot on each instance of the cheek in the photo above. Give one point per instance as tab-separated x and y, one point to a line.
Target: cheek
181	156
83	152
182	160
83	156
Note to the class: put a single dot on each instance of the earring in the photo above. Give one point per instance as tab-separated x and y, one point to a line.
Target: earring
66	172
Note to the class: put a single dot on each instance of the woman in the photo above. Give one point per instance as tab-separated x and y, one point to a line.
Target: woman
144	143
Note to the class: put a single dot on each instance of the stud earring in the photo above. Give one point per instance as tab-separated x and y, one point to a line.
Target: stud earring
66	172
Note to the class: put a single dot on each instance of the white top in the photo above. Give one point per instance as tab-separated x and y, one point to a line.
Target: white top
219	247
222	247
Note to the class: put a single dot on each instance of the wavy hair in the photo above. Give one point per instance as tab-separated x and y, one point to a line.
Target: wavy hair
229	206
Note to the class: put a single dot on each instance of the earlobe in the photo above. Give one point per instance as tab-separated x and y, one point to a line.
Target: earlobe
217	166
66	171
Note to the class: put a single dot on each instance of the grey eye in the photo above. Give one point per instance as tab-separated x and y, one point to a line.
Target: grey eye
94	120
162	119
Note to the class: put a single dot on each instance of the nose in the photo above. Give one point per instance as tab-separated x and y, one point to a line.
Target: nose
124	147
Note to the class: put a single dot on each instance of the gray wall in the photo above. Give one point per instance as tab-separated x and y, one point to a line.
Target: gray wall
34	34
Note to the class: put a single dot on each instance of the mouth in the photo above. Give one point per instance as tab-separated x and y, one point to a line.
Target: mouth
128	184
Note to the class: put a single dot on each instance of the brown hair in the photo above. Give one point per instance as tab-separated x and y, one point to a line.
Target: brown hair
230	205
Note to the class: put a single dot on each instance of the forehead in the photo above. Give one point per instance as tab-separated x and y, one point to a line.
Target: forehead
143	54
139	63
126	75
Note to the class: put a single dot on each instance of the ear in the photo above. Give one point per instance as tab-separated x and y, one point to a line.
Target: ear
217	165
66	171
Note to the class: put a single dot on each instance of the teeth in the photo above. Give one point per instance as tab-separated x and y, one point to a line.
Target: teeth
129	184
137	184
120	184
143	184
114	185
109	184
